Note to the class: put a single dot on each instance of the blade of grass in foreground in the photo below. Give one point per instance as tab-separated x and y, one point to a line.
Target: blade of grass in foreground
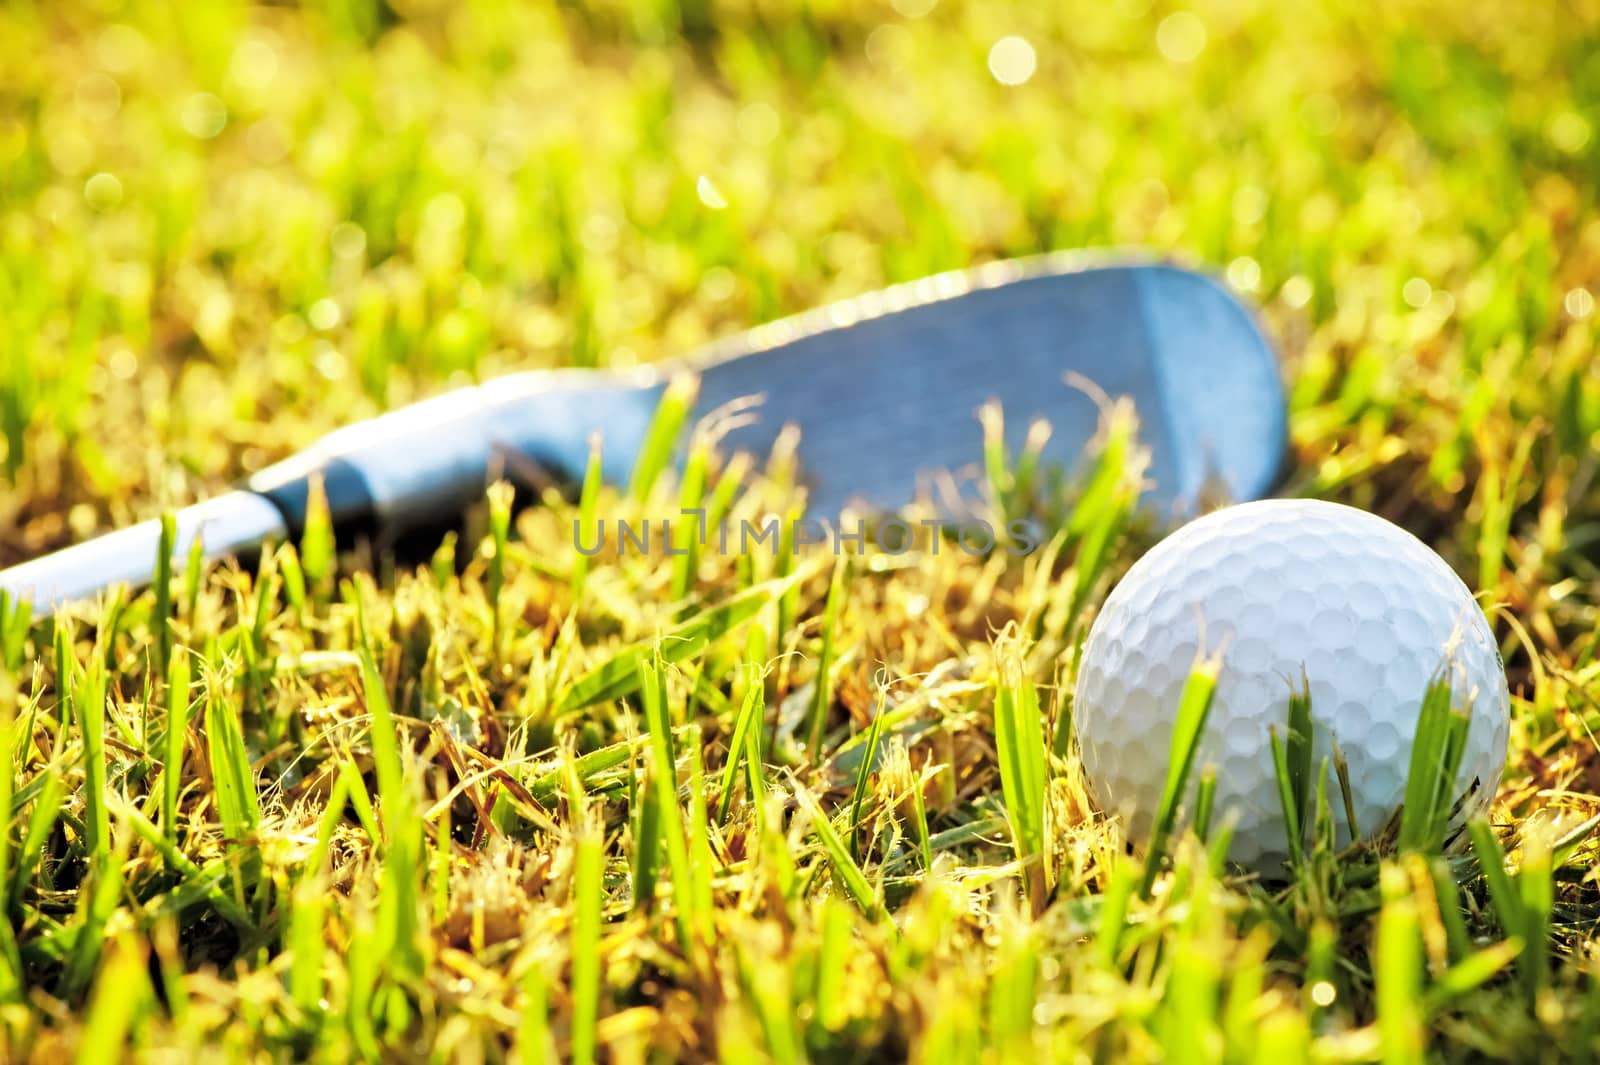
121	995
308	910
177	736
619	675
1430	780
501	496
1116	895
662	438
689	532
91	702
16	618
1398	971
698	838
11	972
191	874
47	810
863	776
98	900
588	887
1522	903
587	519
161	610
233	778
399	894
664	780
1294	834
533	1045
1194	707
822	693
1024	768
849	873
751	713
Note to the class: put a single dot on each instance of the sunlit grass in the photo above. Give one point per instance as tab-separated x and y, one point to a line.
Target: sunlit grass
628	807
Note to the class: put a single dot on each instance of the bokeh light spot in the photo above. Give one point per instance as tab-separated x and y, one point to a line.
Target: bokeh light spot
1569	132
1181	36
1244	274
323	314
103	191
1579	303
1012	60
123	364
203	116
709	195
1249	204
348	240
1416	292
120	48
1296	291
254	64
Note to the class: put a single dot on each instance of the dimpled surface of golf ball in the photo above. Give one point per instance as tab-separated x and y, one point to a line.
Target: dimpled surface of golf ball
1367	611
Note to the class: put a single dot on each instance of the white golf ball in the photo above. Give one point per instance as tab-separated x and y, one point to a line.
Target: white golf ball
1367	611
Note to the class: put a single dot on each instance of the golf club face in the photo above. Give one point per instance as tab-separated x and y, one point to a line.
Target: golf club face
884	396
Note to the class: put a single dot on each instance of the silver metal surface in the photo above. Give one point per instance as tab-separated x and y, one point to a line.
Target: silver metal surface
885	389
229	524
436	457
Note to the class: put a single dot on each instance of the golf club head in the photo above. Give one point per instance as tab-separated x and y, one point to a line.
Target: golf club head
885	390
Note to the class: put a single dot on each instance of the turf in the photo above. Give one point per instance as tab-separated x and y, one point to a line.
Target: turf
519	802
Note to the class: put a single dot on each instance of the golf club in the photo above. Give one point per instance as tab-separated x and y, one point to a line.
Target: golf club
882	388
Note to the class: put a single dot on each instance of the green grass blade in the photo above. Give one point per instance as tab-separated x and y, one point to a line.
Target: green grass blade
1205	801
664	779
1398	972
822	692
47	811
869	761
233	777
317	550
1024	769
534	1046
199	880
752	710
91	706
690	529
1430	779
178	692
122	994
661	441
619	675
588	517
588	888
1284	775
161	586
1194	708
849	874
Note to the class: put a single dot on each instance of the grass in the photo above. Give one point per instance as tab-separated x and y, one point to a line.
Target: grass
525	803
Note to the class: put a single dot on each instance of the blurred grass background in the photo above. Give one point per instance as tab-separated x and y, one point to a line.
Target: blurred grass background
224	231
227	228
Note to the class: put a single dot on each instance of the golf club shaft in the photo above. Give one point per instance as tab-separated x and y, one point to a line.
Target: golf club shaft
384	475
